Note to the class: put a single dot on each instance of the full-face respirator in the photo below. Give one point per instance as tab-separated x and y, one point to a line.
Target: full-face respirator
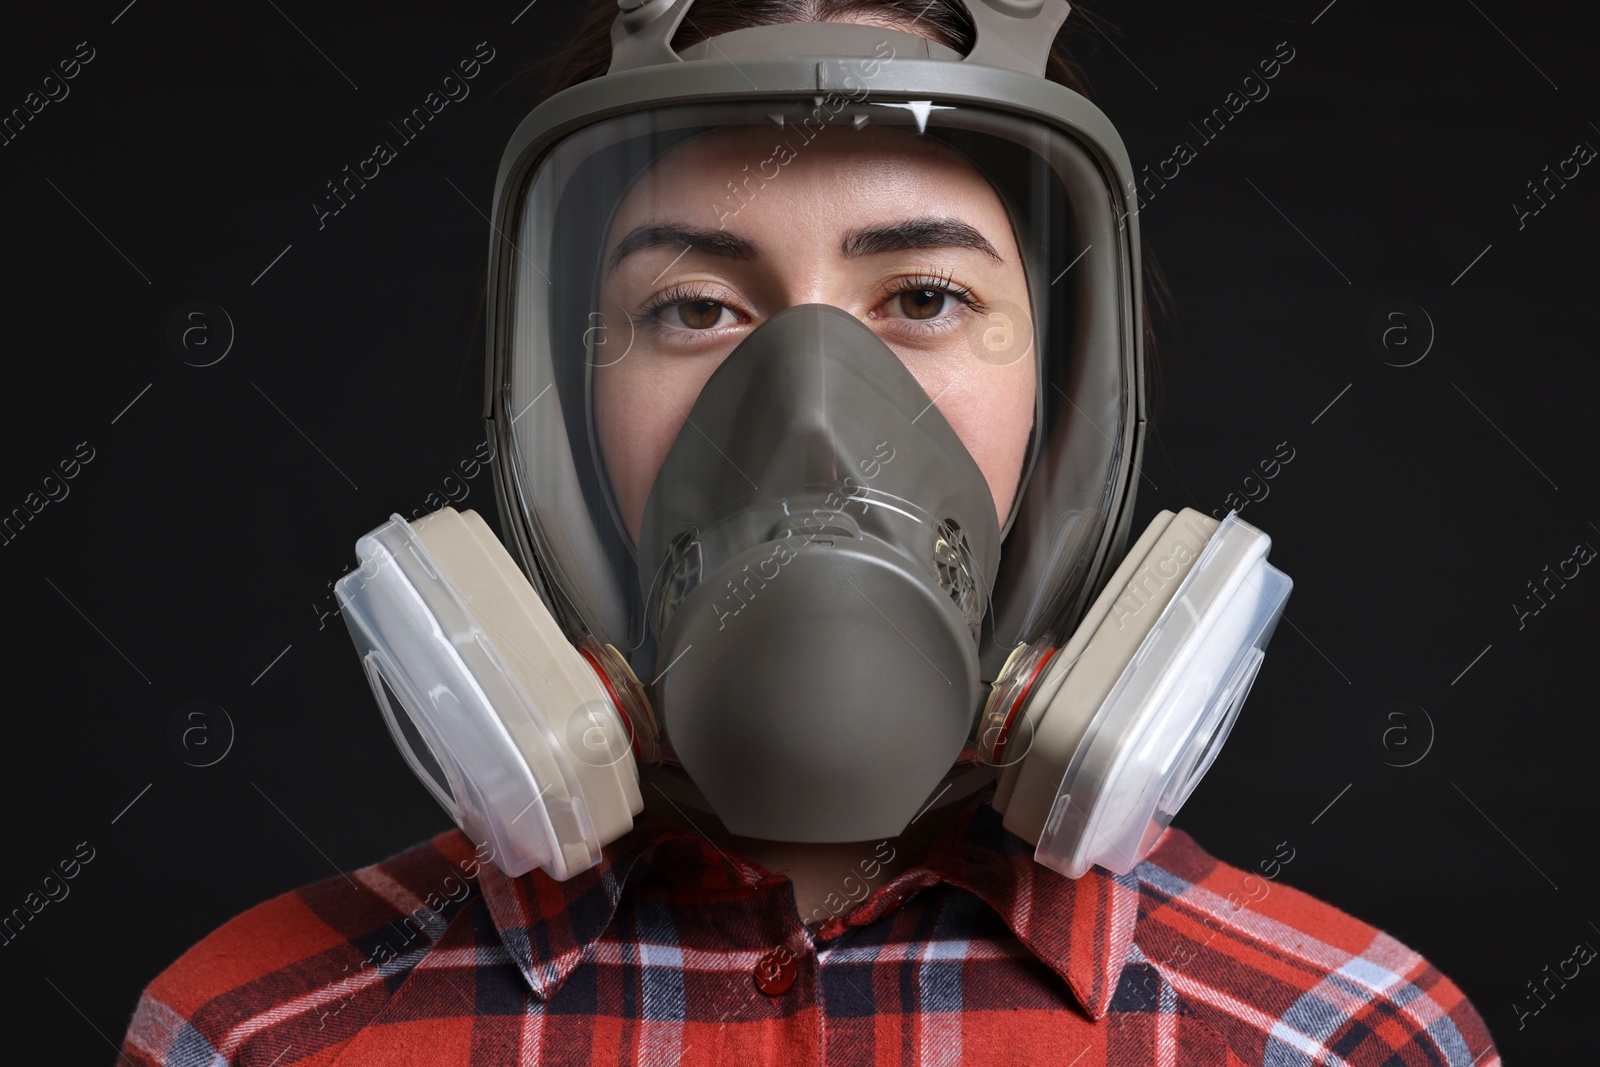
820	626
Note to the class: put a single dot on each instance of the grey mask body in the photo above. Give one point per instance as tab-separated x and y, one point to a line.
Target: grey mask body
817	553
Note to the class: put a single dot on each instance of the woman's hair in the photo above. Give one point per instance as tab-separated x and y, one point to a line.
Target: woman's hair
943	21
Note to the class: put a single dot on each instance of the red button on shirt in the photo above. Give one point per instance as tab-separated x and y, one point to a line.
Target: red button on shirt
775	972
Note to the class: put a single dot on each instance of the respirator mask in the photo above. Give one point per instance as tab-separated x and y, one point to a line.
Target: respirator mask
798	609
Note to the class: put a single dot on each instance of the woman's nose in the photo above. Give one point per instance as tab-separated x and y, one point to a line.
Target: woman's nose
820	284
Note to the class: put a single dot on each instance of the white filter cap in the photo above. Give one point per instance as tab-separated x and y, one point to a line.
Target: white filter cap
1165	719
478	732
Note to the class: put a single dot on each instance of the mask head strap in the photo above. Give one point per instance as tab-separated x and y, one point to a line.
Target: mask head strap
1011	34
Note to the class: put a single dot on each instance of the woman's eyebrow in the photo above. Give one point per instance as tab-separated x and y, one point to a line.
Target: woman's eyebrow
917	233
688	238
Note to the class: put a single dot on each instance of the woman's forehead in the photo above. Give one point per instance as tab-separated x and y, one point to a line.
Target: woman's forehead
724	176
753	144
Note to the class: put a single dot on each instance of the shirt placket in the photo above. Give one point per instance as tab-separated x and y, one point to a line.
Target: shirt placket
751	992
810	962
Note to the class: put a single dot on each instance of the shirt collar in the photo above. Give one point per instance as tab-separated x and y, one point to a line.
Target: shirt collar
1081	929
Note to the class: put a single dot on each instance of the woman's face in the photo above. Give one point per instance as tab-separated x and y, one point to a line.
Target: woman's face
898	230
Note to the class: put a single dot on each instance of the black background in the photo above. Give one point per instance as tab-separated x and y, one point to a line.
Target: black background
192	559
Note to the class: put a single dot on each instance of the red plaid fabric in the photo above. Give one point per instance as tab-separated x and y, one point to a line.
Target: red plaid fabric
670	952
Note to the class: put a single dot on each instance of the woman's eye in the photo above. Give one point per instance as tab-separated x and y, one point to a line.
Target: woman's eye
698	315
922	303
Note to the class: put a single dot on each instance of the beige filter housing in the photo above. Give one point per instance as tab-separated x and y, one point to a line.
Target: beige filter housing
1129	713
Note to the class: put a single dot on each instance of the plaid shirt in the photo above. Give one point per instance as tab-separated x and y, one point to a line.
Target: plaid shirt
670	952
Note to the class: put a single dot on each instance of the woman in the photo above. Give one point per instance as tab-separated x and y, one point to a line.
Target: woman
821	398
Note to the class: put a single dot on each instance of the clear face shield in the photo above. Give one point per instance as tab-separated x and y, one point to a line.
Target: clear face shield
651	247
818	411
